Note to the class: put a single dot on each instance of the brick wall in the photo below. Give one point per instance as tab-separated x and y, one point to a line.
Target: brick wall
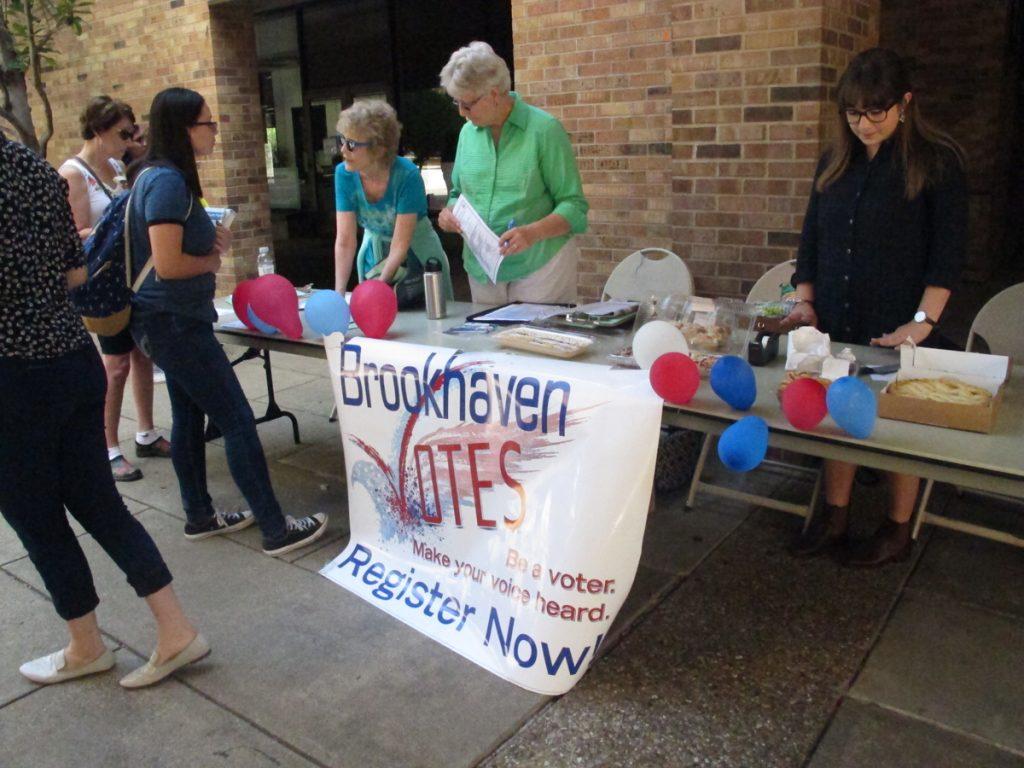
131	51
697	124
964	77
601	68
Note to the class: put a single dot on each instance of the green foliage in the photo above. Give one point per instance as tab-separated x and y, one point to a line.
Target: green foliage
430	125
33	25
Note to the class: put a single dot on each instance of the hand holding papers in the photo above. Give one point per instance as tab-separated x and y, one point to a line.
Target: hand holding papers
479	237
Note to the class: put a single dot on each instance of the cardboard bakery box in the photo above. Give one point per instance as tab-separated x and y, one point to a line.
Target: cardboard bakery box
990	372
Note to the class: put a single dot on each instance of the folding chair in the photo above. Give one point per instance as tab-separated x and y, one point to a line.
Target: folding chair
648	272
765	289
999	323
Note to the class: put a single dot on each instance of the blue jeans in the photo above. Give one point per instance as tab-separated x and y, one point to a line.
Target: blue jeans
53	455
200	381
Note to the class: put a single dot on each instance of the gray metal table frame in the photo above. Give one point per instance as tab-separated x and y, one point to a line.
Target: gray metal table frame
991	463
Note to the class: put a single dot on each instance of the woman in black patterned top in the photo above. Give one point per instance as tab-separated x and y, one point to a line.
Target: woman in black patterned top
52	449
882	247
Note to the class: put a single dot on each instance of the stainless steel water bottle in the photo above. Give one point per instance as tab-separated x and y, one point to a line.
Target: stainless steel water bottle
433	290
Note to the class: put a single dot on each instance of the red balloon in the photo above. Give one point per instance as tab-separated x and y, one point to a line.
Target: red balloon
675	377
374	306
275	302
240	302
803	402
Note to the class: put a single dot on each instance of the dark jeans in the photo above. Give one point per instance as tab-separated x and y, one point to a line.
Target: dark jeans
200	381
53	455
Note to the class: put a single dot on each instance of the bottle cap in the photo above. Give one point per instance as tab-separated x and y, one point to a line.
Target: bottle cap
432	265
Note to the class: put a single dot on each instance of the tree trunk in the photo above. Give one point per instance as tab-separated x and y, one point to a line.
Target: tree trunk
14	105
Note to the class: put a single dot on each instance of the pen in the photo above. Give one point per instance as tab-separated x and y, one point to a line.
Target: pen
511	225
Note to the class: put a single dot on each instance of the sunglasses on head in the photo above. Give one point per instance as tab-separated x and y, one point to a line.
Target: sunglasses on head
350	144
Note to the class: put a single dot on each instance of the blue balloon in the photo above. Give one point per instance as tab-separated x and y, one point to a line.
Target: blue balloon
743	445
732	379
853	406
327	312
260	325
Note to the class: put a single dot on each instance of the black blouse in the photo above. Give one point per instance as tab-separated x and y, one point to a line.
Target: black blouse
38	244
870	252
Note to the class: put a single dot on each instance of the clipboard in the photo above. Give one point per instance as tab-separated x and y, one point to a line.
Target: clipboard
483	315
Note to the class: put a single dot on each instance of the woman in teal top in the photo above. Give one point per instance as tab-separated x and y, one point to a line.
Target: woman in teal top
515	166
384	194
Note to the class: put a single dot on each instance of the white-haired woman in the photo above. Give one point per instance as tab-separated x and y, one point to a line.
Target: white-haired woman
516	167
384	194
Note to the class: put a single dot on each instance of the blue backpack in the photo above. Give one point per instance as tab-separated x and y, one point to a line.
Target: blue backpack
105	299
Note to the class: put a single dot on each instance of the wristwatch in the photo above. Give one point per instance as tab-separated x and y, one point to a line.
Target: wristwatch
921	317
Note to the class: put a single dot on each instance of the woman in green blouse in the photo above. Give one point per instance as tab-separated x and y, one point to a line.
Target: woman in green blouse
515	166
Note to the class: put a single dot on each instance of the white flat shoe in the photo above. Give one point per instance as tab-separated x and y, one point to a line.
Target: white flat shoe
151	672
53	668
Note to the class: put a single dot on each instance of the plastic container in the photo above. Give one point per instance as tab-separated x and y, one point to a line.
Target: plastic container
717	326
265	262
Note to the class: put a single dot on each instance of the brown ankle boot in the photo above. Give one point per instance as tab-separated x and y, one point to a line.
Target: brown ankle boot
827	529
891	543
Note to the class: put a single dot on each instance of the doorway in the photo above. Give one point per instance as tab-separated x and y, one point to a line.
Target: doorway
315	59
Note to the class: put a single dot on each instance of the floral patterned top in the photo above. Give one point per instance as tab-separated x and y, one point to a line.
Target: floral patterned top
38	244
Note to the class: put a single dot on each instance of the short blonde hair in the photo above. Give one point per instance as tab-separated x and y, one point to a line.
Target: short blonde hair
475	69
376	121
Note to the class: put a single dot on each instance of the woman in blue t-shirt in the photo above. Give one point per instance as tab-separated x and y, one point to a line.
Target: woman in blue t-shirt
383	194
172	322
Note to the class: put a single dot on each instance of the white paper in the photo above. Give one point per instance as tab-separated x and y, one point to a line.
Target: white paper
521	313
985	371
602	308
233	325
479	237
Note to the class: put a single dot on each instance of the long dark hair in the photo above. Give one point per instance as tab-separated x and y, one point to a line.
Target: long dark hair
173	112
878	78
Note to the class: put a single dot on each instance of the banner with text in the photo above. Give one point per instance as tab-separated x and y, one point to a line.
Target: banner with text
497	503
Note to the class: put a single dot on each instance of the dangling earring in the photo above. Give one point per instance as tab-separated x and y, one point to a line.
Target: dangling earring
903	117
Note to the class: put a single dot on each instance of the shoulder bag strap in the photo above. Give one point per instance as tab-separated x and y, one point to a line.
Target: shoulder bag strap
148	267
85	167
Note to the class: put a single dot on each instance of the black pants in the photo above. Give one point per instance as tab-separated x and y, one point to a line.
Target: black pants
53	456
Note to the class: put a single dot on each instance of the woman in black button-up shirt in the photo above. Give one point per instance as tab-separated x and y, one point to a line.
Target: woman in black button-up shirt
882	246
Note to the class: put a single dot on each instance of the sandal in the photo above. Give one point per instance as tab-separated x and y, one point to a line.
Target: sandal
159	448
124	472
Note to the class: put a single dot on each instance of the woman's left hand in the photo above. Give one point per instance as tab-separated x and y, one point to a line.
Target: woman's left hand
516	240
918	332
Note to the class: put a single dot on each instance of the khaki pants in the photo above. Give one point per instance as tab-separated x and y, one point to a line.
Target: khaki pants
554	283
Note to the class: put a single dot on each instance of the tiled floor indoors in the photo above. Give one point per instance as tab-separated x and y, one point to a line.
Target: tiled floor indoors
728	652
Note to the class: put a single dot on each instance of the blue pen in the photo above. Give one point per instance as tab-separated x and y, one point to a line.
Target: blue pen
511	225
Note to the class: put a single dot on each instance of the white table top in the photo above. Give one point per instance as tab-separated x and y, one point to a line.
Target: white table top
992	461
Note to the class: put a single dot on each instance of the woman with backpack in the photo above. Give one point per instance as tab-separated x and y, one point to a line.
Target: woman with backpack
172	322
51	436
94	176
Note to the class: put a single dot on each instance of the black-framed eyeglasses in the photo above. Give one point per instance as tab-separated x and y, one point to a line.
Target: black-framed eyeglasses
350	144
466	105
211	124
874	114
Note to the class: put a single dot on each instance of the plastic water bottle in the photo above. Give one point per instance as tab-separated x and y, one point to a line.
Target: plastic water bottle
265	262
433	290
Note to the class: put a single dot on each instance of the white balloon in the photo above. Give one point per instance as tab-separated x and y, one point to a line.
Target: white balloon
656	338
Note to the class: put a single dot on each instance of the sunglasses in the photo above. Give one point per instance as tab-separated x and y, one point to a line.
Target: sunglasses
350	144
126	134
211	124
